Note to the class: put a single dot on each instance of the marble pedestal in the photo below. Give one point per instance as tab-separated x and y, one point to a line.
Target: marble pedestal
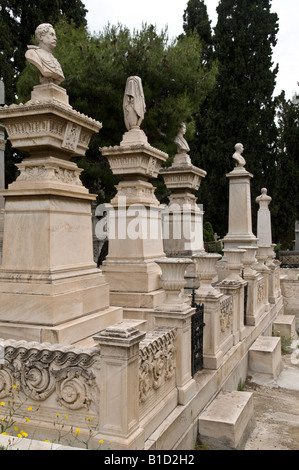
135	229
240	221
50	288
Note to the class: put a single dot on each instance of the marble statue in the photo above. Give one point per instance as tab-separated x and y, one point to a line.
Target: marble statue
182	145
134	103
240	161
41	56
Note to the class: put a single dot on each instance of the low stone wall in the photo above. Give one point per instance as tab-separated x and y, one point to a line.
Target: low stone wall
289	282
47	388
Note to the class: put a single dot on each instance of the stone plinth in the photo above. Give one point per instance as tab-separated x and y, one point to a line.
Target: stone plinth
226	423
182	219
240	219
265	356
49	283
135	230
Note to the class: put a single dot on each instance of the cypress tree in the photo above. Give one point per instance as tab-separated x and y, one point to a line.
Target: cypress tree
196	19
241	107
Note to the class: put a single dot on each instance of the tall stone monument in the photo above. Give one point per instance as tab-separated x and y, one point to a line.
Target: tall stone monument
183	218
135	232
2	168
50	287
240	216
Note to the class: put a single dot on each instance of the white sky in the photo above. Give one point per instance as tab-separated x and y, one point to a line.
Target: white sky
132	13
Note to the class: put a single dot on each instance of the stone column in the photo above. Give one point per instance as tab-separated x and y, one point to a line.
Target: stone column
50	287
176	312
119	392
211	298
183	218
264	234
135	229
240	217
234	286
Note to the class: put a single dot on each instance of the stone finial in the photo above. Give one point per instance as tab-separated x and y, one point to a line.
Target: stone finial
134	104
240	161
41	56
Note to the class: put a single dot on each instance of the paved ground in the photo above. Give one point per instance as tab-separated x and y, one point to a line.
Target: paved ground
276	405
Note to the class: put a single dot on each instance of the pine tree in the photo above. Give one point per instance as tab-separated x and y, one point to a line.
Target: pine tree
196	19
241	107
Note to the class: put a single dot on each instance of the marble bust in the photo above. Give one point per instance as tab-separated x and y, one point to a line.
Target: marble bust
180	141
41	56
134	104
240	161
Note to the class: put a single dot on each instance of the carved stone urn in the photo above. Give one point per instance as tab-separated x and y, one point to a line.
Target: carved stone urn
234	264
249	258
172	281
206	269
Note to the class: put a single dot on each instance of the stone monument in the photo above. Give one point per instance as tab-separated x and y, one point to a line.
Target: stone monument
135	232
240	218
50	287
183	234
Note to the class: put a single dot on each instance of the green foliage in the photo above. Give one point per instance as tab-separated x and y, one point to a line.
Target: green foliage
287	197
240	108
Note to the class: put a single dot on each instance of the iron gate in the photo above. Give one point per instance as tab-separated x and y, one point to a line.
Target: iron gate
197	326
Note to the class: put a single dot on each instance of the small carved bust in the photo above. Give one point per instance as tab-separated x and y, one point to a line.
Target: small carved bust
240	161
41	56
134	104
180	141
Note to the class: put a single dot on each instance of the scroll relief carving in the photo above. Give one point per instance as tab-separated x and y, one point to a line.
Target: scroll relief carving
260	291
157	364
40	371
226	314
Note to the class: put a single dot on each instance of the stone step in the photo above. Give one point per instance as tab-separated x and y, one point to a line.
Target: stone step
265	357
228	421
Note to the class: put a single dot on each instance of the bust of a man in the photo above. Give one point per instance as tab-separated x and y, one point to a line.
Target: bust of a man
41	56
240	160
180	141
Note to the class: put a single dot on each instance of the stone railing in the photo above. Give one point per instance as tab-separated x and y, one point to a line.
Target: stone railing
289	259
64	376
289	282
157	367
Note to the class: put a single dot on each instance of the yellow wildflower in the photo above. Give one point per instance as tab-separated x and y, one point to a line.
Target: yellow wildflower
15	429
77	431
47	440
2	403
19	435
15	387
27	420
24	434
66	416
101	441
29	408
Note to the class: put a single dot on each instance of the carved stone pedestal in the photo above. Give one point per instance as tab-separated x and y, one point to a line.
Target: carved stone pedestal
135	231
50	288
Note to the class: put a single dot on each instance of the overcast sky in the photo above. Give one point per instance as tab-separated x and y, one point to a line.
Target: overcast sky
132	13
